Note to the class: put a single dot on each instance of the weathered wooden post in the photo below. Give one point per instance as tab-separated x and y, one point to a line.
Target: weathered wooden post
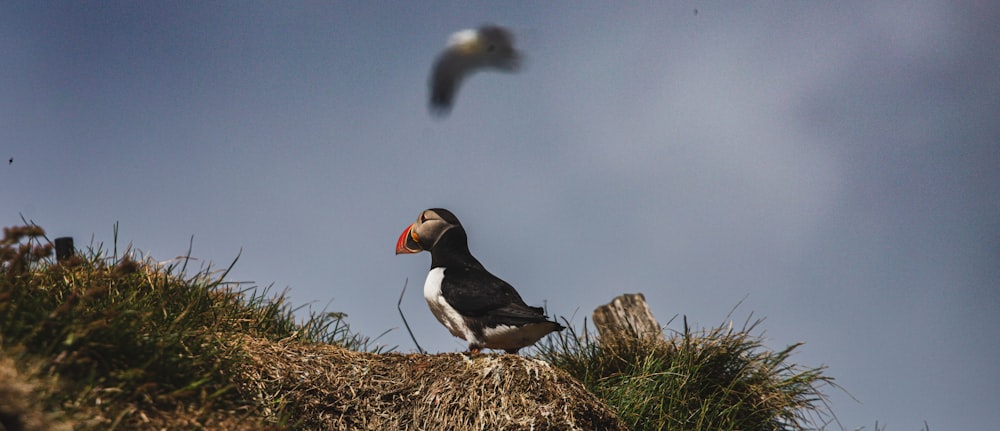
64	248
627	316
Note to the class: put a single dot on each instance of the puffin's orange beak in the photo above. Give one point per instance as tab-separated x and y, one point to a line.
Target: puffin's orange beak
408	238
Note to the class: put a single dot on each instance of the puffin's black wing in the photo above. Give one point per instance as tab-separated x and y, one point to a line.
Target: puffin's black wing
477	293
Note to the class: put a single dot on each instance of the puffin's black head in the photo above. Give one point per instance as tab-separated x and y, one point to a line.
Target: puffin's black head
425	232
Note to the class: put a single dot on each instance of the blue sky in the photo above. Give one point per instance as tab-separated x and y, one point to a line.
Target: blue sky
836	164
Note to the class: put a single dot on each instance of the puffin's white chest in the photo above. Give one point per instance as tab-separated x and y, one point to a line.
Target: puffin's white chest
445	314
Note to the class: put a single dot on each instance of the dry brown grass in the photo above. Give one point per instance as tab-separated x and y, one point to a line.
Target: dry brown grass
308	386
21	394
324	387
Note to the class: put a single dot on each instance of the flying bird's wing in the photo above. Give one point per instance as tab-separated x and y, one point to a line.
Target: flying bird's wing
448	73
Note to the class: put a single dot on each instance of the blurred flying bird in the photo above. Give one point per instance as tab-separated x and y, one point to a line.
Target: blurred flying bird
468	51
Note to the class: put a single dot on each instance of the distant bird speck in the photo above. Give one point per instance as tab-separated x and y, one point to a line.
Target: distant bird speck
696	12
468	51
10	162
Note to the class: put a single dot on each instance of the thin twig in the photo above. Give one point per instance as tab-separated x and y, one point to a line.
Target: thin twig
399	306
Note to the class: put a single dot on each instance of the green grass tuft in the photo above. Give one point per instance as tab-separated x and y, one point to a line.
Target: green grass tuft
715	379
126	335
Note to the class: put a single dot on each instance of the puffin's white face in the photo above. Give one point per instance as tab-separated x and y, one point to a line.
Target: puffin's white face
425	232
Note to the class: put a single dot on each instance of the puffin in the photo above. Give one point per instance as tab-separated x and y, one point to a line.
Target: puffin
467	299
487	47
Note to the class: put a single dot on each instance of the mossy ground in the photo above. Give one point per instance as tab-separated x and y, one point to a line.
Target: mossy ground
105	340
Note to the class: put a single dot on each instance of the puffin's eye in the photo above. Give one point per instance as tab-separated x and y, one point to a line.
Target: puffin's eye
423	217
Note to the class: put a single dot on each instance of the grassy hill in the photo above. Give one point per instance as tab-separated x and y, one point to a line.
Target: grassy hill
107	341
